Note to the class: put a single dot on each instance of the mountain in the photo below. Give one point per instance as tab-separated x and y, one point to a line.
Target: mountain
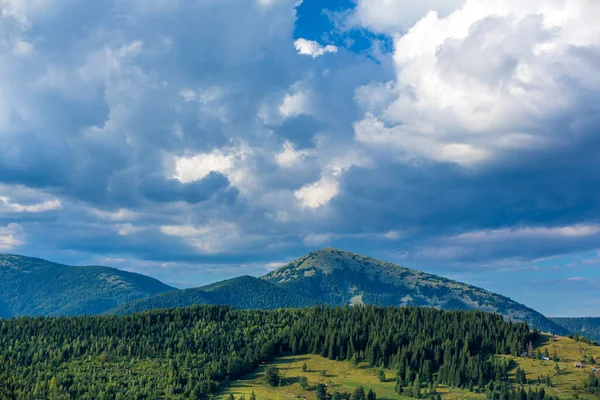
244	292
31	286
588	327
339	277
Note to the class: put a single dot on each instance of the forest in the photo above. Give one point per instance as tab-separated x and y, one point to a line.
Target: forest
194	352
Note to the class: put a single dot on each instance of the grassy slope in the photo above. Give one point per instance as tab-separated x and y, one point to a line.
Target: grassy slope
569	352
341	376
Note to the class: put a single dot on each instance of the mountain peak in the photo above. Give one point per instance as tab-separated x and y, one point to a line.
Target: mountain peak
339	277
328	260
21	263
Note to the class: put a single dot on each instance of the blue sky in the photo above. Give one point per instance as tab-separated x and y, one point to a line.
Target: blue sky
199	140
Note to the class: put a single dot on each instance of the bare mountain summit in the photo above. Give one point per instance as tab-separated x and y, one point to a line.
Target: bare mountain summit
339	277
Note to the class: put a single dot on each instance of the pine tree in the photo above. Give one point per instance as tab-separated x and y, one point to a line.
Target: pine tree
321	392
371	395
271	376
359	394
530	351
304	383
417	387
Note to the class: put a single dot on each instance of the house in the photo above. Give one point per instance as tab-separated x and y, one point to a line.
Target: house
544	358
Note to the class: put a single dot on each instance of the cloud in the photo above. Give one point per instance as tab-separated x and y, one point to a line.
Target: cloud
317	194
312	48
390	16
581	230
178	133
485	81
32	208
11	236
295	102
290	157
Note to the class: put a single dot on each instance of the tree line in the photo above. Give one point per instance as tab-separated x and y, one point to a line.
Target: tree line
194	352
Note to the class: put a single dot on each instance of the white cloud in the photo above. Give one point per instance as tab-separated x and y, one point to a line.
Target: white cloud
22	48
482	81
573	231
208	239
188	94
119	215
295	102
317	239
289	157
11	236
392	16
274	265
49	205
317	194
312	48
127	229
228	161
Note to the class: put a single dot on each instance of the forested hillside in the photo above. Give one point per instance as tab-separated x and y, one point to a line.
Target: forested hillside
192	352
245	292
588	327
31	286
335	277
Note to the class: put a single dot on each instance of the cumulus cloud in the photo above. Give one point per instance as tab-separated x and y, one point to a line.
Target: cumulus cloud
295	102
392	16
11	236
316	194
489	78
312	48
290	157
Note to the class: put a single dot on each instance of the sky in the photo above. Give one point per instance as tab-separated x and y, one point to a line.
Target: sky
197	140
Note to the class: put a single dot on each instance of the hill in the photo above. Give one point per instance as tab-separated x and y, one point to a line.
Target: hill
588	327
194	352
336	277
31	286
339	277
244	292
567	380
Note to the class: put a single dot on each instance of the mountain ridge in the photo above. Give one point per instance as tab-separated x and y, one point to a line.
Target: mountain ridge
243	292
328	276
33	286
342	277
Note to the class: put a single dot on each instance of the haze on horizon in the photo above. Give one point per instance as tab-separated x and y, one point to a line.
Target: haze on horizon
194	141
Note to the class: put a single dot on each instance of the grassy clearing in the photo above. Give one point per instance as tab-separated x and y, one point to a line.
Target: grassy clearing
569	351
340	376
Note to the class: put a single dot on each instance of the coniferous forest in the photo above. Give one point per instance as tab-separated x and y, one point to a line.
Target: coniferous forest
193	352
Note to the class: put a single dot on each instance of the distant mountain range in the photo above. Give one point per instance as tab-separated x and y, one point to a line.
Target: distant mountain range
30	286
588	327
